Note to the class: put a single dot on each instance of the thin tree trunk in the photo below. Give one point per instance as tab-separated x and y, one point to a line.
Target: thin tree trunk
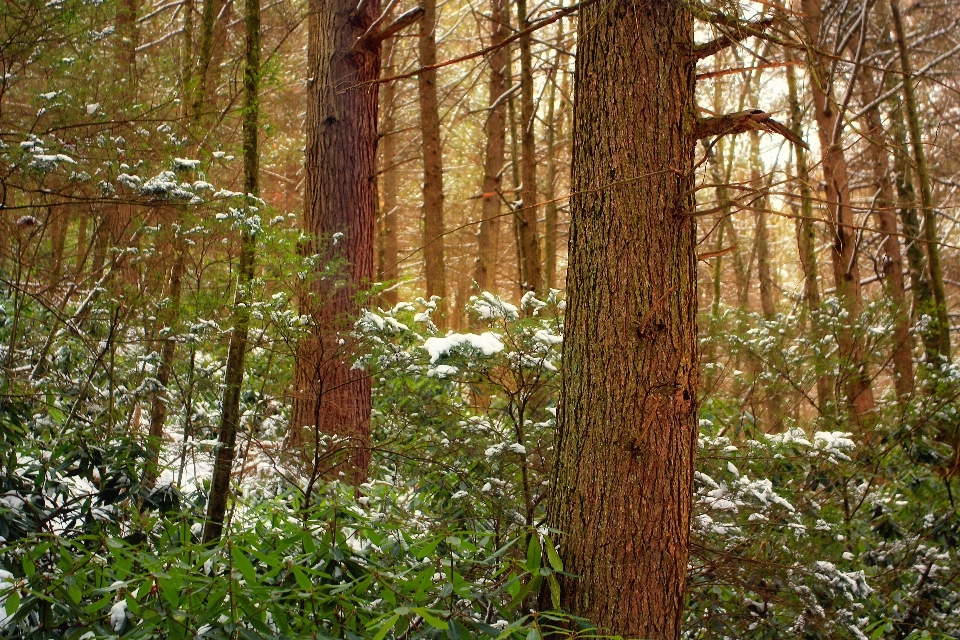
846	271
892	263
59	221
529	238
488	237
330	396
389	270
768	303
515	167
923	301
200	76
168	347
186	56
554	125
233	376
628	412
119	216
433	240
807	240
940	318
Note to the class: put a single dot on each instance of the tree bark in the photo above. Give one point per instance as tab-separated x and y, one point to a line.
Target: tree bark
768	303
940	318
233	376
807	240
846	271
340	206
433	240
623	479
168	347
529	238
554	125
488	237
884	208
389	270
923	301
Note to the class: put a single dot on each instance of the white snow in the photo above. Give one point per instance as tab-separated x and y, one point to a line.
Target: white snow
487	343
118	615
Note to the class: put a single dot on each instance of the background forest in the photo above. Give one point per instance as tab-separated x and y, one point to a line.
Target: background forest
281	345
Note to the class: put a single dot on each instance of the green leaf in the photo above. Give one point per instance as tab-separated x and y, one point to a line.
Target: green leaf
428	548
241	562
554	590
28	567
534	554
552	556
533	634
385	629
13	603
302	580
433	620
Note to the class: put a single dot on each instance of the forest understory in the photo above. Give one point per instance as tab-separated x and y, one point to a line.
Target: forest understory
479	319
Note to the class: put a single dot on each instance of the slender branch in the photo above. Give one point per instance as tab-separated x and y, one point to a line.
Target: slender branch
741	122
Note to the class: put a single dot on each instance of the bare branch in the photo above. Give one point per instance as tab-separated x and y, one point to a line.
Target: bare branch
741	122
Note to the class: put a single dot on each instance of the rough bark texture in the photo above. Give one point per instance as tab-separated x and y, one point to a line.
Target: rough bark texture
846	271
434	270
530	279
389	269
940	317
340	214
628	418
488	237
233	376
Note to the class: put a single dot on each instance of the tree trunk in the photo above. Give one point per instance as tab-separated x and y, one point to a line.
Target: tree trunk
627	438
768	303
846	272
923	302
233	376
340	214
529	241
209	15
807	239
554	125
488	237
389	270
433	240
940	318
892	263
168	347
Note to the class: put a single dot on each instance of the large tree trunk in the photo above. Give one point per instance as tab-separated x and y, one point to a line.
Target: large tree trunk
433	240
233	376
846	271
340	214
488	237
529	239
628	415
940	317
